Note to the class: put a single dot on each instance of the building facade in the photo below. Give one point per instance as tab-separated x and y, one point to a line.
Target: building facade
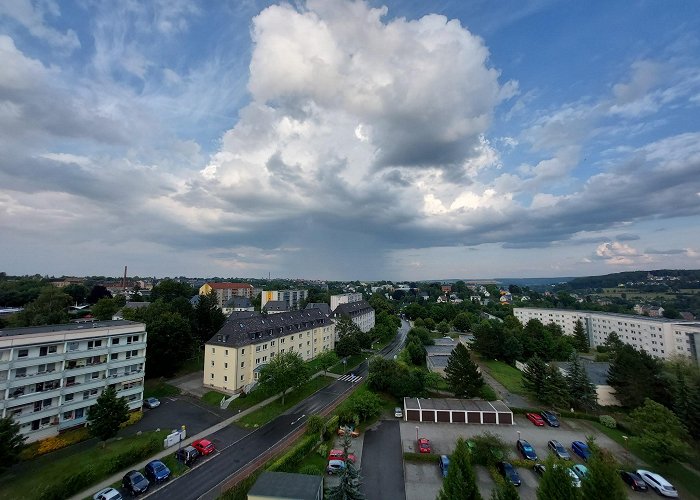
660	337
233	357
226	291
361	313
293	298
51	375
344	298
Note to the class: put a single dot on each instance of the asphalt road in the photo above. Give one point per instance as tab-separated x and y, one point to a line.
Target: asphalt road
233	452
382	471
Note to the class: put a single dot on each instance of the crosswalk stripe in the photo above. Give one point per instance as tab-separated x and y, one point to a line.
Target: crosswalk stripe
349	378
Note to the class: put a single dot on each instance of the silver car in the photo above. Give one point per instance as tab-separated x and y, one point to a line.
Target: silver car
558	449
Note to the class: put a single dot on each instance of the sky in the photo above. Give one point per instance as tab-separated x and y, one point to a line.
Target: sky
339	140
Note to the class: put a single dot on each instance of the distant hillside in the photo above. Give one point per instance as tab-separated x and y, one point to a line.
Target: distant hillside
534	282
680	278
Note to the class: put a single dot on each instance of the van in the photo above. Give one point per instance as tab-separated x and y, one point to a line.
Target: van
187	455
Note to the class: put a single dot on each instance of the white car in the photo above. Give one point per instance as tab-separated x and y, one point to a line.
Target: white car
398	412
151	403
107	494
658	483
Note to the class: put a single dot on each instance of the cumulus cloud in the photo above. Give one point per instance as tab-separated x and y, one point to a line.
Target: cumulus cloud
32	16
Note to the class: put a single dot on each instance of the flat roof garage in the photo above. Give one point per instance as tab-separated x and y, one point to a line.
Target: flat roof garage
457	411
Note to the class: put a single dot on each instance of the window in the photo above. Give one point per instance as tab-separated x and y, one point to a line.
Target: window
70	381
264	358
115	341
225	378
242	351
257	348
23	353
94	344
242	363
225	365
272	342
20	372
212	363
73	346
67	415
212	376
226	352
68	397
213	350
114	356
44	350
257	361
272	355
241	378
79	412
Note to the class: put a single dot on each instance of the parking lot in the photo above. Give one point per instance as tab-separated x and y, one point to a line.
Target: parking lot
423	480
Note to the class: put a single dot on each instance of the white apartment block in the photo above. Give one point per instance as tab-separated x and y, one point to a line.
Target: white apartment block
361	313
660	337
51	375
234	356
293	298
226	291
344	298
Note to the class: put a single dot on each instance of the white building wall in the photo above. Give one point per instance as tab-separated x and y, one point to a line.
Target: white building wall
49	379
344	298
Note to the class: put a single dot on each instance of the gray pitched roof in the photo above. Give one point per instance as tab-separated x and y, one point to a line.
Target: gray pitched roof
238	331
352	309
287	485
238	302
320	305
275	305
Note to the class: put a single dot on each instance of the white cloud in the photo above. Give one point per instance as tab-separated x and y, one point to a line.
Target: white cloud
32	16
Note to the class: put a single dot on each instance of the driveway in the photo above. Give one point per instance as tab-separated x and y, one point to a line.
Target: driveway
382	459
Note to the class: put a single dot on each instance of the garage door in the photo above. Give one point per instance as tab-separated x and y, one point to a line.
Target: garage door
428	415
458	417
443	416
413	415
505	418
489	417
473	417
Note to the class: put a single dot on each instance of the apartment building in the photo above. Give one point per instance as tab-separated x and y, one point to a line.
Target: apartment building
51	375
344	298
293	298
660	337
361	313
226	291
234	356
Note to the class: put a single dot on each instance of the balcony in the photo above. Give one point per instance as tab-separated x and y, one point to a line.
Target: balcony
34	378
129	392
85	369
30	361
30	397
127	347
74	422
124	377
30	416
84	353
126	362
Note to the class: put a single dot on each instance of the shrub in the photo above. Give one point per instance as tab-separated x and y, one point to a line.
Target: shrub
315	425
419	457
311	470
290	461
134	455
608	421
134	417
488	449
70	485
54	443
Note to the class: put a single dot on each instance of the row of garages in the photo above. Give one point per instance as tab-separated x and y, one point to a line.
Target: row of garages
457	411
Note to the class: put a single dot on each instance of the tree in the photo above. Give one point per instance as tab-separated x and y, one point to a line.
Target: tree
429	323
462	373
505	491
169	290
170	341
603	480
104	309
326	360
461	322
48	309
535	376
208	318
284	371
78	293
461	479
347	346
363	405
315	424
98	292
582	393
636	375
107	414
613	342
344	327
349	486
659	432
555	392
443	327
415	351
11	442
580	337
556	483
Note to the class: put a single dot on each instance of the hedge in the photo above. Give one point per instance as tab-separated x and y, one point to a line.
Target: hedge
420	457
71	485
290	461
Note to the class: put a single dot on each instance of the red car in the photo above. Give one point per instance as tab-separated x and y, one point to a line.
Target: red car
204	446
424	445
535	419
339	455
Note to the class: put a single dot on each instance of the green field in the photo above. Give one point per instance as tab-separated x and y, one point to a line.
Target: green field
511	378
631	293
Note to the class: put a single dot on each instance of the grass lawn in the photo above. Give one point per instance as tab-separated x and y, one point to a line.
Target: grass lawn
193	365
158	388
213	398
510	377
263	415
28	479
353	361
314	459
674	472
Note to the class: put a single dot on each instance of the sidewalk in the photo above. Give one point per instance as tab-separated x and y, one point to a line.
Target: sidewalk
507	397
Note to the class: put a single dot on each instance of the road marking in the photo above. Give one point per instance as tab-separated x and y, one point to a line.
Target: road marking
297	420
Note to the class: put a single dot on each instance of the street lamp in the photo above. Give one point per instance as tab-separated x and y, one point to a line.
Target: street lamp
416	433
518	435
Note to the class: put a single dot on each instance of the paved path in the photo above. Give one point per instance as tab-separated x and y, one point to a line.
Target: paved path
382	476
506	396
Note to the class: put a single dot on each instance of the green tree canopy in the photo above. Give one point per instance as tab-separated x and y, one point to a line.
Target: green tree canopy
636	375
603	480
580	337
48	309
461	478
208	318
462	373
659	432
168	290
582	393
104	309
556	483
11	442
284	371
535	376
326	360
461	322
107	414
170	341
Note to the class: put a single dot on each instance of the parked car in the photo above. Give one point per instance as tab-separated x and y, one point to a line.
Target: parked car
107	494
658	483
424	445
539	469
526	450
535	419
444	463
151	403
135	482
580	470
581	449
398	412
204	446
348	429
575	480
335	466
156	471
550	418
187	455
340	455
508	471
558	449
633	480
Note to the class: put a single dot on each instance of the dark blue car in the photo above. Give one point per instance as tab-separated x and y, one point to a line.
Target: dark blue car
157	471
581	449
526	450
550	418
508	471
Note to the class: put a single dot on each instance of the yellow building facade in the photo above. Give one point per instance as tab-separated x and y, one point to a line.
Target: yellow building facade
234	356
